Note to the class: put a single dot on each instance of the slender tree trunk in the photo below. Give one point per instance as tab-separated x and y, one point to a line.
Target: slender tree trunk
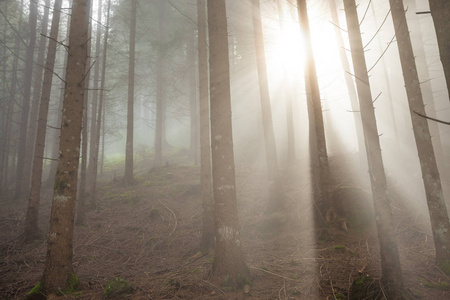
28	72
58	266
287	79
31	220
191	60
228	266
160	85
349	83
93	118
317	132
100	110
37	85
12	97
437	209
440	12
81	198
276	201
391	273
425	87
207	240
130	112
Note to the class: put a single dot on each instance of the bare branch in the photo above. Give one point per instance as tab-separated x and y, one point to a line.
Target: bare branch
430	118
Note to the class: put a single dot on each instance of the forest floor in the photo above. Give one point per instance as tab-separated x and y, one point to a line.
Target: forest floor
148	235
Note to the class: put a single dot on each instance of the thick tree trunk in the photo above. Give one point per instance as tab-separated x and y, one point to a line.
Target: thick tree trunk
28	73
58	266
207	240
276	200
391	276
31	220
437	209
130	107
440	11
319	156
228	267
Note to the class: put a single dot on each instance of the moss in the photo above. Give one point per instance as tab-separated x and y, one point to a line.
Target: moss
36	292
445	266
339	248
365	287
443	286
117	287
74	284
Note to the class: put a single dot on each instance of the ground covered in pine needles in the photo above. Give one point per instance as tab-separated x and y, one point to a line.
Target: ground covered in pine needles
141	242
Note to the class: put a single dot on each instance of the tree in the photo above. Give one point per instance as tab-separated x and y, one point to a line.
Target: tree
207	240
275	197
349	82
160	86
100	109
287	90
440	12
28	72
58	270
93	151
391	273
228	265
318	145
440	224
130	108
31	220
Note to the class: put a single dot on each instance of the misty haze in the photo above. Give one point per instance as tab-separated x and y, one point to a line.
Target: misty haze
212	149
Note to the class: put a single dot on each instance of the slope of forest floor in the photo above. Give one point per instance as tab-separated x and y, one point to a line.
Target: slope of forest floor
148	234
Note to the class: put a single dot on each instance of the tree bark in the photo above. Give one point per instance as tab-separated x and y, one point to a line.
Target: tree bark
391	274
437	208
228	267
440	12
58	266
207	239
31	220
130	108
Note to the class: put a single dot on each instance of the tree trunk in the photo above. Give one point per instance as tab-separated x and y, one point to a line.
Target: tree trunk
228	267
31	220
130	108
58	266
28	72
81	209
287	79
437	209
93	152
98	126
34	110
160	85
440	11
391	273
349	83
207	240
191	61
319	156
276	201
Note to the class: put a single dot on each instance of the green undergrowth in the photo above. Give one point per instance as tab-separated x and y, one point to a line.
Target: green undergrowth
118	287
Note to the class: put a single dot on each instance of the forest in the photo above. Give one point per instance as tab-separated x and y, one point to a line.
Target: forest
212	149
